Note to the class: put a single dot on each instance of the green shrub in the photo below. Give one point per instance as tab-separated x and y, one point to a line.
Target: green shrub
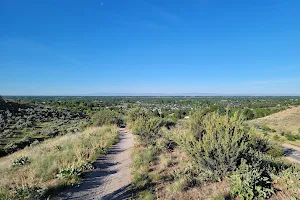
146	195
69	173
220	147
276	150
143	158
292	137
248	114
250	182
21	161
29	193
196	123
86	166
107	117
141	180
148	129
136	113
265	128
258	142
11	147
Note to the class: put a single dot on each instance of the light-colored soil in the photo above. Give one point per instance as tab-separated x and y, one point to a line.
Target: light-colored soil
284	121
111	178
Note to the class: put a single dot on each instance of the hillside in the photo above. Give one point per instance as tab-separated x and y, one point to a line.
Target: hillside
284	121
22	124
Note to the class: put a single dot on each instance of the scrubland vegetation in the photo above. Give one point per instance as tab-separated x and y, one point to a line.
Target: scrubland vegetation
24	124
209	156
186	148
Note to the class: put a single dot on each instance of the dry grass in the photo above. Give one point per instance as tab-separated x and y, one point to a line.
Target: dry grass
213	191
165	161
284	121
287	121
70	151
170	187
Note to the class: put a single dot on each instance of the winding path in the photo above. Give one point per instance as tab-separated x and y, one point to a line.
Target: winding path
111	177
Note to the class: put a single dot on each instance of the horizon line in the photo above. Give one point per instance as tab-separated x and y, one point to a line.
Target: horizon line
147	94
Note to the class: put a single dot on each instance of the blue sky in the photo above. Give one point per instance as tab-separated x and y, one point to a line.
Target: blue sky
149	46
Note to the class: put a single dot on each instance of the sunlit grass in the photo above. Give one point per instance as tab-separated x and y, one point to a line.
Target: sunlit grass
71	151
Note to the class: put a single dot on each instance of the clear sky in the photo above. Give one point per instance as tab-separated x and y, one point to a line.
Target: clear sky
69	47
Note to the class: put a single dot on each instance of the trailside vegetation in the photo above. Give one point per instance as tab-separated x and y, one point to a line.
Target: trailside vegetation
39	170
208	150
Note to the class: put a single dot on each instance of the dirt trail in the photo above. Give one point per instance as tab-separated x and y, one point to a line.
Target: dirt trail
292	152
111	177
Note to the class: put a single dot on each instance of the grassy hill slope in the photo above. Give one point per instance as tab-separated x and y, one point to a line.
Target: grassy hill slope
284	121
283	126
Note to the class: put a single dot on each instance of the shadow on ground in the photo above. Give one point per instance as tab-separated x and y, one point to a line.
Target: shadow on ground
289	152
120	194
94	178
